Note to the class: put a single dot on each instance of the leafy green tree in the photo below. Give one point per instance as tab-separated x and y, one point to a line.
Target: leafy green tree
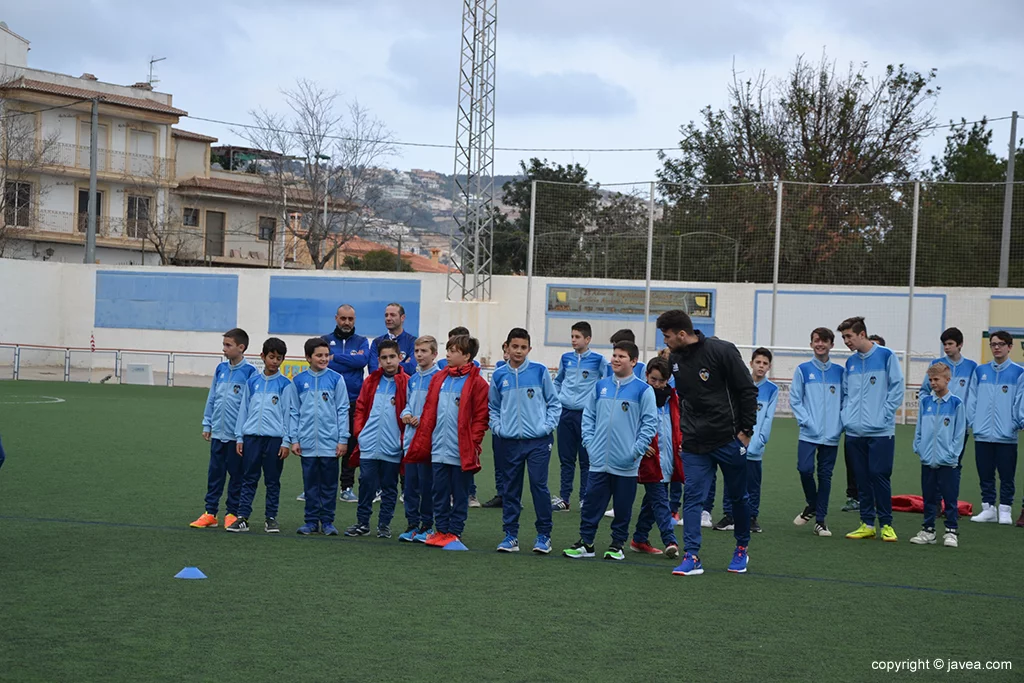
379	260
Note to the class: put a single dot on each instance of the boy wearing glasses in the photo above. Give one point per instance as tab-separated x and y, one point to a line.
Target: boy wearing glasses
994	415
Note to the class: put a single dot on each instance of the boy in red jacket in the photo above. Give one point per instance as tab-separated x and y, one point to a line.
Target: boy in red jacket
661	464
378	430
451	429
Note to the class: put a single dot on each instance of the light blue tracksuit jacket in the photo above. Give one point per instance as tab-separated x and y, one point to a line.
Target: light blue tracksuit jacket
577	375
266	407
619	423
767	399
522	402
225	399
319	416
960	380
941	429
872	393
816	398
380	437
416	398
995	402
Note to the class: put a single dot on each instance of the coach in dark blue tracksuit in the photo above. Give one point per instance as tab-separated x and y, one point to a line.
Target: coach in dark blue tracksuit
349	356
394	321
718	411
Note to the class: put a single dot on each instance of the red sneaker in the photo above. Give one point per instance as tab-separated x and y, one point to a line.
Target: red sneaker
1020	520
645	548
439	540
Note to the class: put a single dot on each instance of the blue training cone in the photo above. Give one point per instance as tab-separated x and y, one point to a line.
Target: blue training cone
190	573
455	545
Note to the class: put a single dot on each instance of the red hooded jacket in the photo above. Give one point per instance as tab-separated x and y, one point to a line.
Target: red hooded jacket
650	468
365	403
472	418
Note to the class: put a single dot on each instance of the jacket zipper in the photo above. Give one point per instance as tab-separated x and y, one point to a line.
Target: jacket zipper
263	402
608	441
316	413
519	407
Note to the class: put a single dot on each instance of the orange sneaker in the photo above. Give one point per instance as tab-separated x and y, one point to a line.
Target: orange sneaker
440	540
645	548
205	520
228	520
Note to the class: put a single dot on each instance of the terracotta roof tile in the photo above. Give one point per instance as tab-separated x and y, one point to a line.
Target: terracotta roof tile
82	93
189	135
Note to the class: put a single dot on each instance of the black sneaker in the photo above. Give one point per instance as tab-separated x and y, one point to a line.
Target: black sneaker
357	530
579	551
493	503
271	526
240	525
805	516
755	528
383	531
614	552
726	523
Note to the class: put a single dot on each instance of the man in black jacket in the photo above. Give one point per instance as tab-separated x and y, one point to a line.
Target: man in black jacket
718	410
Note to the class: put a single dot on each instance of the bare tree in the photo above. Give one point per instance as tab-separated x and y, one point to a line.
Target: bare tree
23	154
324	162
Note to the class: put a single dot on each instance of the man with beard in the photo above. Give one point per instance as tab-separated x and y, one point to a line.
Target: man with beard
394	321
349	355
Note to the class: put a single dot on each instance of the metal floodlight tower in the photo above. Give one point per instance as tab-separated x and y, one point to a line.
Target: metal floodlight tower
473	201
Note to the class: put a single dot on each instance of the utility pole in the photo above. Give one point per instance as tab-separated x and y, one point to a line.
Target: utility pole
90	231
1004	246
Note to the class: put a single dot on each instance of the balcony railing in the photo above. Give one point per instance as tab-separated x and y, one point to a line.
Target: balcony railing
76	223
142	167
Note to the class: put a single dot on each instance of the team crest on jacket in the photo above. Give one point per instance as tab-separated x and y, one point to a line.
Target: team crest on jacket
945	422
457	398
274	399
872	380
324	396
1005	388
586	374
963	382
237	388
625	406
832	388
760	406
393	400
704	374
529	393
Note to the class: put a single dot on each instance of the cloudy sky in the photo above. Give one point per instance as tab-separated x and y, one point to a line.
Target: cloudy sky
571	73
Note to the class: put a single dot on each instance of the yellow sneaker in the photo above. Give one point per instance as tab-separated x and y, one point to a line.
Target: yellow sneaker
864	531
888	534
205	520
229	520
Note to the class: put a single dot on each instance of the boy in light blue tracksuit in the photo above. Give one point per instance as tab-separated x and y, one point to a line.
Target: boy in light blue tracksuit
816	398
872	392
767	400
619	422
939	441
578	373
219	419
994	413
523	411
262	433
419	477
319	427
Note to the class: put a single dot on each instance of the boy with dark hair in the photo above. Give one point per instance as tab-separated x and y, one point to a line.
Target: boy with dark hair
994	414
524	410
767	399
379	428
627	334
219	417
262	435
619	422
451	429
419	479
939	441
816	398
872	392
319	427
878	339
660	466
578	373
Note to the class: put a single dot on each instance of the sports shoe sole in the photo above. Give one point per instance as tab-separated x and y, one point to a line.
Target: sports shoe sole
541	550
738	571
237	531
581	556
671	553
272	531
513	549
916	541
693	572
616	558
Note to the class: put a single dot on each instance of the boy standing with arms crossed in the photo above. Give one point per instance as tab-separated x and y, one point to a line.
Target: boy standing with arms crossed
816	397
219	419
939	441
524	410
578	373
319	426
379	435
619	422
872	392
262	435
419	480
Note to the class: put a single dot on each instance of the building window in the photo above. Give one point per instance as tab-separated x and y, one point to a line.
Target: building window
268	228
190	218
17	203
138	217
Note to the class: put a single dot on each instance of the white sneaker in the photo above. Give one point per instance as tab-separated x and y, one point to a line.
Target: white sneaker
705	520
301	496
376	498
923	538
987	514
473	502
821	530
610	513
950	540
1005	514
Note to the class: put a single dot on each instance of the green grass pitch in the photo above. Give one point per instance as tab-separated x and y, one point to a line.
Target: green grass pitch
98	491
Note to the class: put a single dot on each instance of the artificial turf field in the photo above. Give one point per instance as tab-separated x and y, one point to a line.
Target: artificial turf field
98	491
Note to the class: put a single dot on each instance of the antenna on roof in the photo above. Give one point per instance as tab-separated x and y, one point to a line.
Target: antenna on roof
152	79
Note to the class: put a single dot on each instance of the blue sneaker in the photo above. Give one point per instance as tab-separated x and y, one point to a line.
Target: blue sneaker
407	535
739	560
308	528
329	529
422	535
542	545
347	496
690	566
509	545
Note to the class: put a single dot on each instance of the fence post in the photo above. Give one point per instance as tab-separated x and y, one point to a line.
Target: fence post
1004	245
775	266
647	287
67	365
17	362
910	299
529	254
